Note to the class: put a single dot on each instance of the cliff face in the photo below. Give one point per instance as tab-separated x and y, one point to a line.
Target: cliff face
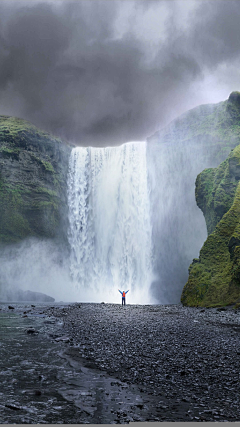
214	278
200	138
33	178
214	127
33	191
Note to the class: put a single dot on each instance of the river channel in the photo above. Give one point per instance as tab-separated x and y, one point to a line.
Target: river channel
40	384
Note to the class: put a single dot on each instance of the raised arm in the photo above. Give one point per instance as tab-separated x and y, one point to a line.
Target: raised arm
120	291
127	291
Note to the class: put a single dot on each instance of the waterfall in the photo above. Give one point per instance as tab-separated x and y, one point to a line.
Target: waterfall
110	232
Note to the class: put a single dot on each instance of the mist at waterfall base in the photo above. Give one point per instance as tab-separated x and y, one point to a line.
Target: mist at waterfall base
110	232
178	225
35	265
133	224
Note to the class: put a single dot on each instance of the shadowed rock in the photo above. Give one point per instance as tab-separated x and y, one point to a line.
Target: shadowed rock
19	295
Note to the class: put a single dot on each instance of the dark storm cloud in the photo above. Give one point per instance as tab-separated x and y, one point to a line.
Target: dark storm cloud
63	67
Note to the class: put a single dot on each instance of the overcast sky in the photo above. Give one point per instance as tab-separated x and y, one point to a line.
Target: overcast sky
106	72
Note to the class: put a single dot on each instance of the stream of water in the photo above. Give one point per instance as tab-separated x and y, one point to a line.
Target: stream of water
110	231
40	383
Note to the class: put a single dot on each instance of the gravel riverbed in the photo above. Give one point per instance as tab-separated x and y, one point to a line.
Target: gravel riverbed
145	363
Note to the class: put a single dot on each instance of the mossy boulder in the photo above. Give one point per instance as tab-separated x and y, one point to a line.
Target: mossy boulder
214	278
33	176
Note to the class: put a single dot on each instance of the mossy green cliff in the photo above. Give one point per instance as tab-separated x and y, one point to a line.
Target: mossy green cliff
33	176
200	138
213	126
214	278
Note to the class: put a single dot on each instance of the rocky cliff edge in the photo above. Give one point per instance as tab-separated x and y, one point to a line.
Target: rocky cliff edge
33	179
214	278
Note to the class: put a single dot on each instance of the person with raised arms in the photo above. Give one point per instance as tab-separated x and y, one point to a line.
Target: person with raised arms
123	296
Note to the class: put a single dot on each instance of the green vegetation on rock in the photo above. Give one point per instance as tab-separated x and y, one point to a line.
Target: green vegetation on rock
215	190
213	126
199	139
214	278
33	175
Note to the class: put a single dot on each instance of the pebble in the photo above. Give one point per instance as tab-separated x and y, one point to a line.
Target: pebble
12	406
31	330
63	339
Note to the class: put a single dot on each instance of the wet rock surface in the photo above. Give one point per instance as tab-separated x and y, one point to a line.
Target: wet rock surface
120	364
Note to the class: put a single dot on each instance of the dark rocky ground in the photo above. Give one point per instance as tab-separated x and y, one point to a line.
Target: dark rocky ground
143	363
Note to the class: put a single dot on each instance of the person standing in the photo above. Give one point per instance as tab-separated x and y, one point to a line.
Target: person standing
123	296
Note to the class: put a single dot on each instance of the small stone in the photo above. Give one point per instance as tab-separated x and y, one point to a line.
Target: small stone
11	307
31	331
63	339
12	406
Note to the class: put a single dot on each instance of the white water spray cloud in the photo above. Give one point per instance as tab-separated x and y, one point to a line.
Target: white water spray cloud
110	234
110	227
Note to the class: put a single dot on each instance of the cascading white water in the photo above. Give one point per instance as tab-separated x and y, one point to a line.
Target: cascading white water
110	232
